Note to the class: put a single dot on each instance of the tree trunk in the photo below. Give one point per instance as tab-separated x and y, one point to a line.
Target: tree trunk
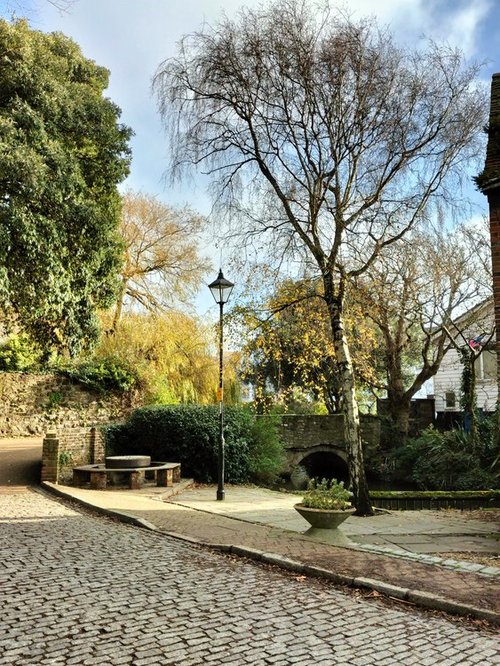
119	303
352	430
397	398
497	424
399	411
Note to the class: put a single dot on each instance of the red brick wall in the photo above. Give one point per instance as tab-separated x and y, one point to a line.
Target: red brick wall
494	205
66	448
493	193
492	154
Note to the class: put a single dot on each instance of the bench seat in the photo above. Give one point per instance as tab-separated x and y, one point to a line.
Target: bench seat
166	474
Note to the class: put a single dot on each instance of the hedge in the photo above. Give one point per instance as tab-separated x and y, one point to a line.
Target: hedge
435	499
189	434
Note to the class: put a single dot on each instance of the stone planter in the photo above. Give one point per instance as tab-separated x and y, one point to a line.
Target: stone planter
328	519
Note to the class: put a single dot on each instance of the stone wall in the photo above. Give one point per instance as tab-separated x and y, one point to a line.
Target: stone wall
67	447
303	430
32	404
302	433
421	416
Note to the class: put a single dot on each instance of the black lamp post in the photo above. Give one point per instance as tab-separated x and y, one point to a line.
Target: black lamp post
221	290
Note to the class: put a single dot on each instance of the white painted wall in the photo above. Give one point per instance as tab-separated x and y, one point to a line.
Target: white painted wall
447	380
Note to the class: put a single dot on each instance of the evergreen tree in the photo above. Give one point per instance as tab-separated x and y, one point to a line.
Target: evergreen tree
62	154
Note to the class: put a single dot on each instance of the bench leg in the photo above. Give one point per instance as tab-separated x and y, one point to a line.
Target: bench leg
97	480
80	478
177	474
135	480
164	477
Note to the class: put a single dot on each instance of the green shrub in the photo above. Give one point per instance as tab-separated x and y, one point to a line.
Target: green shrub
476	478
190	434
107	374
267	452
19	354
447	461
54	400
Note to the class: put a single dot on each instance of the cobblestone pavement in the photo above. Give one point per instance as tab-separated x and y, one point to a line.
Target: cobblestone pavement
76	589
462	587
439	584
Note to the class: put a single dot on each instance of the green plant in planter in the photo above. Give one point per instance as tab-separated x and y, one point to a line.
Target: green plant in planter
326	494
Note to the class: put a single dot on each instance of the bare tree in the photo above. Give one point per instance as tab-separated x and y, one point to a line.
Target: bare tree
323	134
22	5
161	262
413	294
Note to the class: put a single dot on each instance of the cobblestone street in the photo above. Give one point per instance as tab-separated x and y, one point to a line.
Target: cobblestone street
78	589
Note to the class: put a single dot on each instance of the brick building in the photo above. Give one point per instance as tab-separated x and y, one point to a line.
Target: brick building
489	183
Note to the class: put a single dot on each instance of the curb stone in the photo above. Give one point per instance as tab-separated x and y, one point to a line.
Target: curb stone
390	551
384	588
425	599
417	597
480	569
119	515
454	608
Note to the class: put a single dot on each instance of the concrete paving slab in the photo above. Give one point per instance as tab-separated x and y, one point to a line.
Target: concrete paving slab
409	539
375	539
417	531
429	531
423	547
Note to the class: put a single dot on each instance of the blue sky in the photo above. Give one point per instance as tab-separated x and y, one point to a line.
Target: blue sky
132	37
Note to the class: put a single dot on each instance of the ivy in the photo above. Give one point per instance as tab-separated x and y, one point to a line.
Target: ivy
468	380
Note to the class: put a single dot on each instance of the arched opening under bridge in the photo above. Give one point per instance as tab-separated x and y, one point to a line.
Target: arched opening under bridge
322	461
325	465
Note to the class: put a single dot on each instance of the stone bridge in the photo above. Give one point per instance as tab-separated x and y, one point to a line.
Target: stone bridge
315	445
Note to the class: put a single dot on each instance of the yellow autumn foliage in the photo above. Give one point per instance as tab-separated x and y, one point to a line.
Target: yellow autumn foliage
173	355
290	346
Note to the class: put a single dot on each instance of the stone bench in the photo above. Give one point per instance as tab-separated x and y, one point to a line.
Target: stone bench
165	474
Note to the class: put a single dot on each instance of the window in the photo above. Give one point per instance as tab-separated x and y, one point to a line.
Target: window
451	399
489	364
486	365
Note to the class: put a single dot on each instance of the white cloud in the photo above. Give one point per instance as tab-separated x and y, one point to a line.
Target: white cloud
131	38
456	22
464	25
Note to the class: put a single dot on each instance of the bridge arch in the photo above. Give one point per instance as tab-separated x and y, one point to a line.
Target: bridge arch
321	461
314	445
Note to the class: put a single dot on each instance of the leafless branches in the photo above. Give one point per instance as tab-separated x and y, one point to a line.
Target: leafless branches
161	264
22	5
339	139
417	292
349	136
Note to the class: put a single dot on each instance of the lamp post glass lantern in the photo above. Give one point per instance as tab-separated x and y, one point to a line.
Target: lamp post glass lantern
221	291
